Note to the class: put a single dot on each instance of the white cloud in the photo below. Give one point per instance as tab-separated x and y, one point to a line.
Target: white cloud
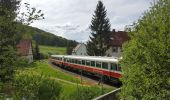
71	18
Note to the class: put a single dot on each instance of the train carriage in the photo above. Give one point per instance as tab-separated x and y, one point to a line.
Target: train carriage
109	67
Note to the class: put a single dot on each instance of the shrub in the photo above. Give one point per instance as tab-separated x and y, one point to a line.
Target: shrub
86	93
30	86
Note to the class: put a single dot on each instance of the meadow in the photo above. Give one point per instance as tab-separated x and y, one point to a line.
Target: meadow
48	50
71	86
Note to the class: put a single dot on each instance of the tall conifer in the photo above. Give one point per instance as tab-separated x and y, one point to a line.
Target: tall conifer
100	32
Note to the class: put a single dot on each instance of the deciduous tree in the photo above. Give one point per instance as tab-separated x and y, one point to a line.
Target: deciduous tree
146	57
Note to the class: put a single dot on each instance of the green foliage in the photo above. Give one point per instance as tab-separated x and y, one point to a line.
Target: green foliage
36	52
34	86
86	93
146	57
8	13
41	37
100	30
49	50
22	62
70	46
42	66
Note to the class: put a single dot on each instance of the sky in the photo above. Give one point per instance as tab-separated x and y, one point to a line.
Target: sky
71	18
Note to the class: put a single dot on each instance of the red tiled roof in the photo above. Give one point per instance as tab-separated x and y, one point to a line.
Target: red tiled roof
23	47
118	38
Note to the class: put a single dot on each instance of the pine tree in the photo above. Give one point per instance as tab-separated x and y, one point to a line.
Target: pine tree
100	31
146	57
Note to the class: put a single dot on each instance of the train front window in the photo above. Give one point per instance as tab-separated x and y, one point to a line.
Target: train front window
98	64
93	63
105	65
113	66
87	63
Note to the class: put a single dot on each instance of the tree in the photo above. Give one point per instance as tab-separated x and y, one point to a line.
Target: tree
70	46
10	22
8	56
91	48
100	31
146	57
37	52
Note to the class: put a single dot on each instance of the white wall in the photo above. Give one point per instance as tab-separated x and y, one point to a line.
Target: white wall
81	50
114	51
30	55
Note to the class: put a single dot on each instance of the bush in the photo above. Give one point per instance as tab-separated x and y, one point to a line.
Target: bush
31	86
22	62
86	93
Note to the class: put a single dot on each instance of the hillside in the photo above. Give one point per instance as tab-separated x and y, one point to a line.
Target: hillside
47	50
42	37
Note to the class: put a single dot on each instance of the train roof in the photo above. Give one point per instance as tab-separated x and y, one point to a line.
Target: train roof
91	58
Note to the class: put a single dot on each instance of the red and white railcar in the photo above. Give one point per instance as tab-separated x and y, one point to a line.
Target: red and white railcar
106	66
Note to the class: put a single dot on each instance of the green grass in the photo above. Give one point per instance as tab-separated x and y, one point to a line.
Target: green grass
70	83
52	50
44	68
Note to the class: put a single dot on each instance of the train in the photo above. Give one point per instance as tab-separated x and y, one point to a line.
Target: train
107	67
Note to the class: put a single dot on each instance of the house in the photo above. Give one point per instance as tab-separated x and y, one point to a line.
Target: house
24	49
117	40
80	49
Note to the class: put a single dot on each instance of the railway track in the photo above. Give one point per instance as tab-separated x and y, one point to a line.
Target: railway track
91	79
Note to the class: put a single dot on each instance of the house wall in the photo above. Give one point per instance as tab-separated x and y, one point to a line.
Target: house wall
81	51
114	52
30	55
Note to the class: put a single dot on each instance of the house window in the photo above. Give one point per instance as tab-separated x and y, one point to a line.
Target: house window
115	49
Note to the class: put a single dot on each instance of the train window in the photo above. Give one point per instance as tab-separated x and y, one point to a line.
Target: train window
98	64
93	63
76	61
105	65
72	60
69	60
113	66
87	63
79	61
65	59
83	62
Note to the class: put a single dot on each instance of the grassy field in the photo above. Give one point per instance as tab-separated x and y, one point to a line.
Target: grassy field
44	68
52	50
70	84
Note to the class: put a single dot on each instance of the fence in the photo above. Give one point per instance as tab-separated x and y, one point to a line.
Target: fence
109	96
